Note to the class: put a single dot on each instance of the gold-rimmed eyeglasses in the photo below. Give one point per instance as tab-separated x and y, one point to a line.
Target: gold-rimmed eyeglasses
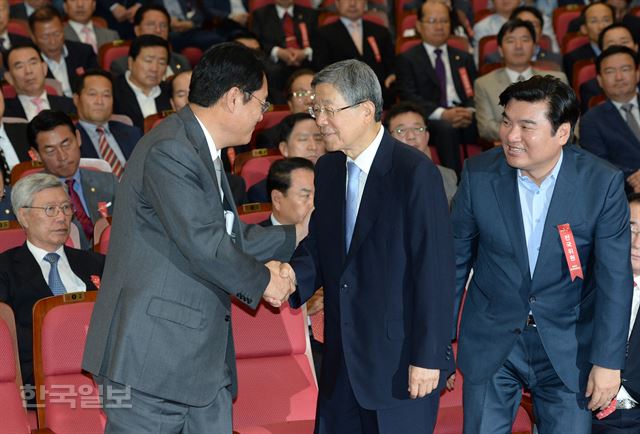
316	110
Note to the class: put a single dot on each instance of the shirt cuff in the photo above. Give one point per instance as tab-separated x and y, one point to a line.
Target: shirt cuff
436	115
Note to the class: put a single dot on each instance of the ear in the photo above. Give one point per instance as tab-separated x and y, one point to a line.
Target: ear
129	62
600	81
35	152
283	149
370	111
9	78
426	133
232	98
22	218
583	29
78	137
564	133
276	199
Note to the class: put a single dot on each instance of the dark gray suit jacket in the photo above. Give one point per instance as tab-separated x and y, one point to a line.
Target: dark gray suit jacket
103	36
161	323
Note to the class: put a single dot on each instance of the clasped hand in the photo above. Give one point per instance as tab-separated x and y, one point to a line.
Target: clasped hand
281	285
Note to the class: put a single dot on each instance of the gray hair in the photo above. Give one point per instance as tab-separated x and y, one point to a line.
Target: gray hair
355	81
23	191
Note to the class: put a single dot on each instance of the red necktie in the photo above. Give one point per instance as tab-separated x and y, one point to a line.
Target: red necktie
290	34
107	153
82	216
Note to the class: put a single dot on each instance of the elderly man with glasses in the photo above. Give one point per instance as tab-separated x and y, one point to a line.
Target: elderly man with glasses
43	266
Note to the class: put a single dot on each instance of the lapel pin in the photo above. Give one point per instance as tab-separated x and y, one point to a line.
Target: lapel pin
93	189
457	57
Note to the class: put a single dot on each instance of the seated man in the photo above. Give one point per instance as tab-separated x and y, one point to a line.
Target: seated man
66	60
26	72
43	266
23	10
516	42
101	137
612	130
299	137
180	89
490	25
141	91
13	144
407	123
8	39
56	143
80	28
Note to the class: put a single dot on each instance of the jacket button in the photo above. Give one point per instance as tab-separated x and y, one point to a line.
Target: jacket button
345	287
532	299
227	318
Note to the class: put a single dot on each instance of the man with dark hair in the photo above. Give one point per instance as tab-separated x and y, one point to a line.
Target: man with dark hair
406	122
56	143
491	24
612	130
141	91
13	144
380	245
440	78
516	43
66	60
26	72
180	89
102	137
290	187
8	39
176	247
23	10
79	26
153	20
119	15
545	226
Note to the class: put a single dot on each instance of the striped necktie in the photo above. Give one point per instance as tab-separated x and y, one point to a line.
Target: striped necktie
107	153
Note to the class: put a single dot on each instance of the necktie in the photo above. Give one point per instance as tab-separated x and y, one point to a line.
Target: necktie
520	78
631	119
217	164
55	282
353	174
290	34
6	171
107	153
89	38
39	103
81	215
2	43
354	31
442	77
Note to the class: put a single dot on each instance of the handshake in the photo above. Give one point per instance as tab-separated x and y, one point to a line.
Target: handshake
281	285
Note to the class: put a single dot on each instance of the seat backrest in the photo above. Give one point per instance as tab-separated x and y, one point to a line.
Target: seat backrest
459	42
597	100
193	55
102	235
583	71
11	235
71	401
487	46
25	168
403	45
562	17
111	51
572	41
254	165
408	22
19	27
479	5
270	119
254	213
97	164
154	120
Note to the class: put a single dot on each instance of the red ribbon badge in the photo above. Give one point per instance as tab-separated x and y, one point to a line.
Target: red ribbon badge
102	209
95	279
305	34
466	83
570	251
374	47
80	70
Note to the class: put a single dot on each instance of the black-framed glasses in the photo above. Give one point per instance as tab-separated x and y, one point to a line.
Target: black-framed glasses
264	105
53	210
317	110
402	131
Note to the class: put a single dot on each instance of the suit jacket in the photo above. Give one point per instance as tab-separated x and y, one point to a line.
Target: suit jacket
580	322
17	133
334	43
400	261
266	223
270	32
169	293
13	107
631	373
6	210
582	52
126	136
588	90
103	36
487	90
258	192
18	11
22	285
417	79
80	58
127	104
177	63
605	132
449	181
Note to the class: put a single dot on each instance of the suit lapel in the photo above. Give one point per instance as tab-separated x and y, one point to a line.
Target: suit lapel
335	204
618	123
277	28
28	268
455	63
425	65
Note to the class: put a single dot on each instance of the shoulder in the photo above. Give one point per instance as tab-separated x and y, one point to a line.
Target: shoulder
595	114
8	257
490	78
453	52
264	11
491	161
370	27
591	169
330	29
98	177
414	53
86	258
76	47
120	127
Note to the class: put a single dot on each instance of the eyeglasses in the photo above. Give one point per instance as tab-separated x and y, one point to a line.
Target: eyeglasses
316	111
53	210
301	93
433	21
265	105
402	131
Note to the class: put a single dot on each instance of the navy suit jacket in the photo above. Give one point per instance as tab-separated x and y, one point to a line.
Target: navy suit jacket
386	302
126	136
581	322
604	132
13	107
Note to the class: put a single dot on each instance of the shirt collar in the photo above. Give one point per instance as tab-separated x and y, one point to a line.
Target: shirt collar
513	75
91	128
215	152
274	220
364	161
633	101
347	22
27	99
280	10
155	91
77	27
39	253
550	178
65	53
432	48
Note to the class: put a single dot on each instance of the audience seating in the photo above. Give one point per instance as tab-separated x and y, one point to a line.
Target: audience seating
51	86
487	45
547	65
154	119
25	168
254	213
277	389
562	16
271	119
479	5
121	118
102	235
254	165
583	71
257	4
193	54
19	27
111	51
482	14
376	17
71	403
571	41
97	164
405	44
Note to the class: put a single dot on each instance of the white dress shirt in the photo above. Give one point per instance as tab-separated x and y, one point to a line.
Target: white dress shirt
7	147
364	162
513	75
6	43
72	283
59	71
308	51
29	107
147	103
453	98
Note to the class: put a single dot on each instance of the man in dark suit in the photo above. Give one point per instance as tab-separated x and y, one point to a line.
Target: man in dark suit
56	143
23	10
119	15
351	37
66	60
383	252
93	97
176	247
610	130
79	26
141	91
13	144
43	266
626	418
440	79
545	227
622	15
7	40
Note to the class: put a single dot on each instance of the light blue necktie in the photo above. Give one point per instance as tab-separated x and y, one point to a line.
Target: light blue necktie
353	173
55	282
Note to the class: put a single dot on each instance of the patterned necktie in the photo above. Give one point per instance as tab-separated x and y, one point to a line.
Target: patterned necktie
353	183
39	103
217	164
81	215
289	32
354	31
631	119
55	282
520	78
89	38
107	153
6	171
441	75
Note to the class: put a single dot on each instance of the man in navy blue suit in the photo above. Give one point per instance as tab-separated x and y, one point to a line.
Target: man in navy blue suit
383	252
93	97
606	130
545	227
